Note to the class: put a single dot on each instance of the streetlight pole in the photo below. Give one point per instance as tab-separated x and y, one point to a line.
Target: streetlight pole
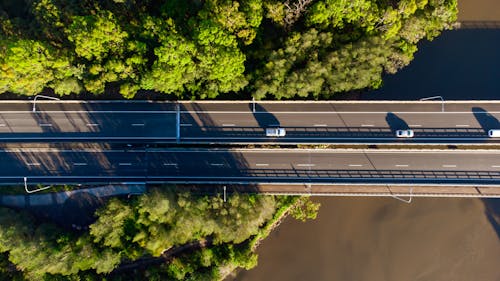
436	97
36	190
41	96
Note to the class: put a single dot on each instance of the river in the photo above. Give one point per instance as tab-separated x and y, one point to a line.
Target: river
383	239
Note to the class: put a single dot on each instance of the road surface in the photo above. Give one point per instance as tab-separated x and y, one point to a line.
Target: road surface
245	122
216	166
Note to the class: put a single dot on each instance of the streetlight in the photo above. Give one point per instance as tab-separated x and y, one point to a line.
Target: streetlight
36	190
41	96
436	97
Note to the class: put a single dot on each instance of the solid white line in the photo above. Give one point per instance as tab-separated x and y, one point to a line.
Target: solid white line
320	125
462	125
137	124
92	124
336	138
124	164
367	125
306	165
261	165
95	112
245	112
228	125
45	125
355	165
80	164
33	164
337	112
401	165
449	166
186	124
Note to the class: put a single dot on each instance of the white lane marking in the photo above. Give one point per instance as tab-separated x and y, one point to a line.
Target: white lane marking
137	124
449	166
462	125
306	165
45	125
92	124
367	125
261	164
3	125
228	125
80	164
186	124
355	165
216	164
416	125
401	165
320	125
124	164
169	164
33	164
495	166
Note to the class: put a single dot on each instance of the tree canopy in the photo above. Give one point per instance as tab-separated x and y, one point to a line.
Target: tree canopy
145	228
202	49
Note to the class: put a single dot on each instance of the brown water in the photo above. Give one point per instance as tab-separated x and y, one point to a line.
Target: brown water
383	239
487	10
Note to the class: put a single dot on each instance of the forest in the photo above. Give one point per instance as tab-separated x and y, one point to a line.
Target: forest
161	235
204	49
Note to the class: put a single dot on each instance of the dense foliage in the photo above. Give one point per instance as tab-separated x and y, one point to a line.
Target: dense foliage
197	237
201	49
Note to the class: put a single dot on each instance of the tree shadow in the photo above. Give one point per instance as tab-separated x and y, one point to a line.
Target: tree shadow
485	119
396	123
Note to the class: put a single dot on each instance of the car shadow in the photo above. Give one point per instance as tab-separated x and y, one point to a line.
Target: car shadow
485	119
264	118
395	123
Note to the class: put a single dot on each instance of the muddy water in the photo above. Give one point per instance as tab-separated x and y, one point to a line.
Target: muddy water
479	10
383	239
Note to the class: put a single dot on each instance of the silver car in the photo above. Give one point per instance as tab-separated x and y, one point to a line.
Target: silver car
275	132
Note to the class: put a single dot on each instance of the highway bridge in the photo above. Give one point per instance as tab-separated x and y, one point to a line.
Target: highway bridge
129	137
322	167
349	122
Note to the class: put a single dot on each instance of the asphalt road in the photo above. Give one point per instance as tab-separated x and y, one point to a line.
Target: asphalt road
245	122
250	166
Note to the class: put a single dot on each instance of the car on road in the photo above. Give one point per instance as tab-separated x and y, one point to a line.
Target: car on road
275	132
404	133
494	133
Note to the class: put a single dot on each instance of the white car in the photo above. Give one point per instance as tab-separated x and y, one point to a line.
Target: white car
275	132
494	133
404	133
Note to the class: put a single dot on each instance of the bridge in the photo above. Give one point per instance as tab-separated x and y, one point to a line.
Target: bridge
197	143
351	122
